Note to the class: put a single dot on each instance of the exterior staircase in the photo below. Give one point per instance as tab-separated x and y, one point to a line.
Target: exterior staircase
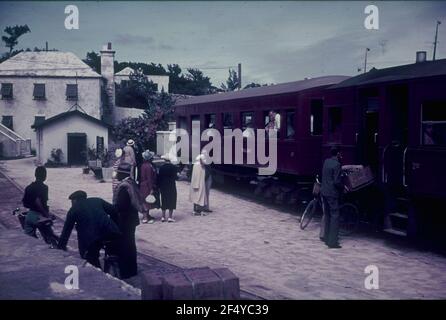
13	145
397	221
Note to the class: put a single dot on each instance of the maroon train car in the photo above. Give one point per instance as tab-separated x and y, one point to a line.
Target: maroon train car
394	120
300	105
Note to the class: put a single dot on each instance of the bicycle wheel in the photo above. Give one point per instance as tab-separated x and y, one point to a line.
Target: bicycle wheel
308	214
348	219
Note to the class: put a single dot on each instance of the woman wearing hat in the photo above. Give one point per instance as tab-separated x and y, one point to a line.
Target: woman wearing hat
129	156
128	203
147	184
168	190
118	156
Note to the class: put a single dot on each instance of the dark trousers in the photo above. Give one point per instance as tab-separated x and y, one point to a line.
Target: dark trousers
330	221
92	254
127	253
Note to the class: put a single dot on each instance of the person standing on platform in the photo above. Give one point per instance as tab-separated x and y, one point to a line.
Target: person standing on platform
118	155
128	203
331	190
167	185
147	184
130	157
200	185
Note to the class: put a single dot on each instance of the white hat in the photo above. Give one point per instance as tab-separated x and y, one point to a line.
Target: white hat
147	155
130	142
118	153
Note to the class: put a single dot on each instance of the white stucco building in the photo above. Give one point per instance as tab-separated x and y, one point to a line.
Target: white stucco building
161	82
40	85
73	132
36	86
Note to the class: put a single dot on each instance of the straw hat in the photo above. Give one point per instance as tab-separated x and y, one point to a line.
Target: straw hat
130	142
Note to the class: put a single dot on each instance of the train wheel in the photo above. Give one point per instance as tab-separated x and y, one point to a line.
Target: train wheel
348	219
308	214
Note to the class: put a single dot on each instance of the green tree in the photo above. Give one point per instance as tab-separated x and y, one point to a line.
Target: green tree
136	91
159	111
94	61
232	82
13	34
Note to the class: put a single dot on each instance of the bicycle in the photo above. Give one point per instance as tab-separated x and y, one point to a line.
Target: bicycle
349	215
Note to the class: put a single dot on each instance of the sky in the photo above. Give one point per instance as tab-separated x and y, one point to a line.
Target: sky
274	41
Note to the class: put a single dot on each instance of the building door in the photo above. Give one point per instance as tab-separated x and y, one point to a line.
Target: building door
77	149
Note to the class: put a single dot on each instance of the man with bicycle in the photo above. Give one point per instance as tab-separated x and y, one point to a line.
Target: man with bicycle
331	190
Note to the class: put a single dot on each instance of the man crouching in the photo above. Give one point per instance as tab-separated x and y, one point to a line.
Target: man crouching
94	225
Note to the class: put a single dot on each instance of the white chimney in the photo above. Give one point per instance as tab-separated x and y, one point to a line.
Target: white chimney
108	73
421	56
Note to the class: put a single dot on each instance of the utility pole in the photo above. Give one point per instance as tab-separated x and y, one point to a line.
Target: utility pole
436	36
365	60
239	76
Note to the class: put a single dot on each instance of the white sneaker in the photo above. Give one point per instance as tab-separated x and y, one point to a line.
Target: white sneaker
170	220
163	219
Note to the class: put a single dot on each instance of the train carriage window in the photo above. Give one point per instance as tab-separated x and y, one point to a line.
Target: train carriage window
290	124
182	123
210	121
433	123
228	121
247	120
334	123
316	117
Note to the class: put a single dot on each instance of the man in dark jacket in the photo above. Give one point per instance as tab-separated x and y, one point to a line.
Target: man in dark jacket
94	225
331	190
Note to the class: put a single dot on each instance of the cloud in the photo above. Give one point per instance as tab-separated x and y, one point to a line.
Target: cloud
130	39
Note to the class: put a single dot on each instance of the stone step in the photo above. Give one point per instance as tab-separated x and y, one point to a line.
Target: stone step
396	232
399	215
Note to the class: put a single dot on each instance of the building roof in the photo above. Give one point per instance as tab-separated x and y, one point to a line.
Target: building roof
125	72
67	114
46	64
289	87
404	72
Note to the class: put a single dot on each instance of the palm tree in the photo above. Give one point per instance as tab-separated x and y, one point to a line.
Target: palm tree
14	34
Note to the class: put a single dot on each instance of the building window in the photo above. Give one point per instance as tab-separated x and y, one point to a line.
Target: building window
7	122
247	120
38	120
228	121
433	123
335	123
39	91
290	130
72	92
210	121
6	91
316	117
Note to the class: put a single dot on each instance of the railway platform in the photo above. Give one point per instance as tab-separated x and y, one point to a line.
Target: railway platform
263	246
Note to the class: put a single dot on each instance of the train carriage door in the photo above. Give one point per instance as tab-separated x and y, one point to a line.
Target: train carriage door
371	128
398	122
